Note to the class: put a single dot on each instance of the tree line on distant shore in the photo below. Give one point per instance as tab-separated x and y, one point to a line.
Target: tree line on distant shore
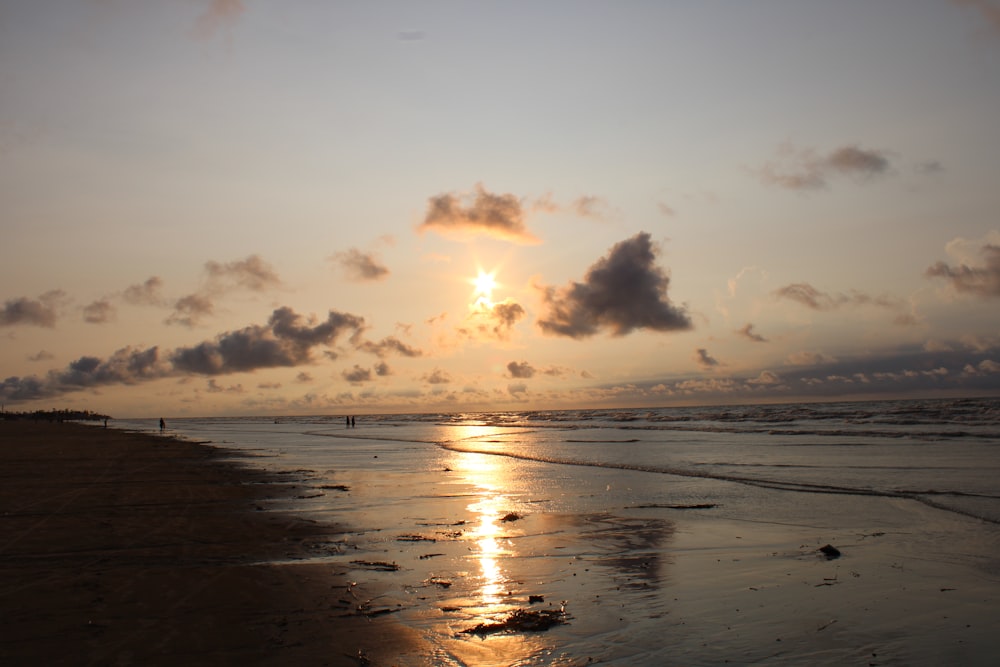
56	415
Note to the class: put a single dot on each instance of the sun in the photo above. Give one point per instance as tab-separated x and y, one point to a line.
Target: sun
484	283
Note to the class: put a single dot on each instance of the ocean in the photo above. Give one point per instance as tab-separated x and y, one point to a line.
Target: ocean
656	536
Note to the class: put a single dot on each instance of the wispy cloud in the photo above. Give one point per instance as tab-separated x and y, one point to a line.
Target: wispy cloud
704	359
252	274
806	169
978	277
389	344
492	321
148	293
621	292
747	332
809	296
101	311
360	266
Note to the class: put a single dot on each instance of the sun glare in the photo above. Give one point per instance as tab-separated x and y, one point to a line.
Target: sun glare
485	283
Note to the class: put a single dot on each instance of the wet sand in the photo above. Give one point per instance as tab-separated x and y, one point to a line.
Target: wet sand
128	549
124	549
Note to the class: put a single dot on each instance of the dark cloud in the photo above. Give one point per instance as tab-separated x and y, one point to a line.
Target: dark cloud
704	359
621	292
748	333
303	378
126	366
252	273
40	312
520	369
99	312
382	369
389	344
499	216
191	309
360	266
952	368
982	281
809	296
804	169
989	11
286	340
43	355
145	294
357	375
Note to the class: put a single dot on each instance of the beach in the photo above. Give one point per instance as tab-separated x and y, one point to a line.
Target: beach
564	539
130	549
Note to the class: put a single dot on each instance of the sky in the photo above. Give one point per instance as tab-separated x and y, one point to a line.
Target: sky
228	207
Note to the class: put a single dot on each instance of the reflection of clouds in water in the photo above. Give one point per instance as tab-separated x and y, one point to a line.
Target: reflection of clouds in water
631	546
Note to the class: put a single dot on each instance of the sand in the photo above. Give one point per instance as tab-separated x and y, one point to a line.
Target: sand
125	549
122	549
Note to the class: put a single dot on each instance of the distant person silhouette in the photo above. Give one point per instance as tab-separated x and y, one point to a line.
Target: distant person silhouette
347	422
163	424
352	422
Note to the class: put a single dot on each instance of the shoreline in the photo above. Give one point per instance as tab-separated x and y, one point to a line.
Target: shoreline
127	548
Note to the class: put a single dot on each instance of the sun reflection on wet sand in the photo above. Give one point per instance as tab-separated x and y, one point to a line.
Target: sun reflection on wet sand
493	584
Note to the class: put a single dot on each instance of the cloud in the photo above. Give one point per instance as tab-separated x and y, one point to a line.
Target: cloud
40	312
252	273
978	278
515	389
99	312
357	375
303	378
213	387
286	340
492	321
499	216
806	358
520	370
589	206
145	294
704	359
989	11
219	14
804	169
748	333
191	309
621	292
438	376
387	345
43	355
382	369
360	266
809	296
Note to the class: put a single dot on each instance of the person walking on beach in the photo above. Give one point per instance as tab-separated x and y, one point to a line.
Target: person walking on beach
163	424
